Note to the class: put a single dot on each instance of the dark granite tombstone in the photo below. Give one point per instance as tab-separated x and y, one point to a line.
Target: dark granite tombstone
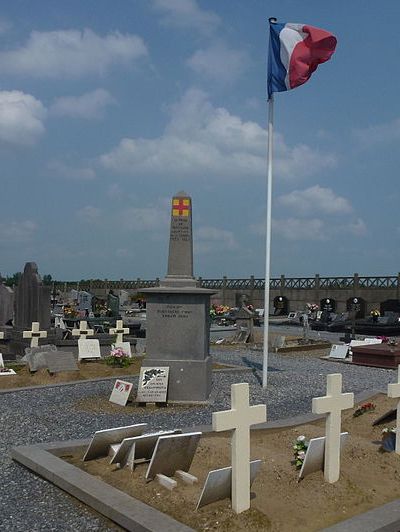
178	315
32	300
112	305
6	303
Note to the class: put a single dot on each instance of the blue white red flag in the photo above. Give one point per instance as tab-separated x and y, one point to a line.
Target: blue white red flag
295	51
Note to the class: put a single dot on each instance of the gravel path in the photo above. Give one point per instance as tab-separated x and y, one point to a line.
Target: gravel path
30	503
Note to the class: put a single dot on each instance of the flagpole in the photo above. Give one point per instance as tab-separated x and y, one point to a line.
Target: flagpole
268	240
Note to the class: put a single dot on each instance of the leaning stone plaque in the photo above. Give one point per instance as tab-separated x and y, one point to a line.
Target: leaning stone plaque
121	392
88	349
58	361
314	459
153	385
35	356
339	351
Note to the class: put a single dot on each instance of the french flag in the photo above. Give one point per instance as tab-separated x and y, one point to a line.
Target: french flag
295	51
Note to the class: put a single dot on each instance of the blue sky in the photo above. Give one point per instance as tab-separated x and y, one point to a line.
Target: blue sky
109	108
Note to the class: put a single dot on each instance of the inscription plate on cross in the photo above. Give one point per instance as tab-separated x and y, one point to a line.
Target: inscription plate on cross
332	404
119	330
239	419
394	392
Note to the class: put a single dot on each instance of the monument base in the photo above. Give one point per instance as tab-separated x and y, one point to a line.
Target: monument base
189	380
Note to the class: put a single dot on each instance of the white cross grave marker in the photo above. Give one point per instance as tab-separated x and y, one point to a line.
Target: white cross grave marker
34	334
119	330
394	392
83	330
332	404
1	335
240	419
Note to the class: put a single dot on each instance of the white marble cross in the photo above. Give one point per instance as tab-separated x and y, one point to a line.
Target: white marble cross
83	331
332	404
394	392
119	330
34	334
240	419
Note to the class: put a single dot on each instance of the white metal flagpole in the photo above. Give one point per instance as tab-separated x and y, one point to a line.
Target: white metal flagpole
268	239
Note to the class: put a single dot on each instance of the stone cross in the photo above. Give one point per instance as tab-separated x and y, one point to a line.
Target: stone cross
34	334
240	419
1	335
119	330
332	404
83	331
394	392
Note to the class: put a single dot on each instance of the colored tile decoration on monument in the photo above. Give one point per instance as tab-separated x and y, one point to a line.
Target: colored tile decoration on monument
180	206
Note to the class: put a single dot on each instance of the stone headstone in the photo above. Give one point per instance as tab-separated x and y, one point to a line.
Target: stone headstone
153	385
88	349
112	305
125	346
218	485
35	356
121	392
314	458
84	301
332	404
279	342
240	418
6	303
58	361
178	315
103	439
173	453
1	361
32	299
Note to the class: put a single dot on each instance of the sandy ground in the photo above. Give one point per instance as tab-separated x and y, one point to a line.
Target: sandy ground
369	478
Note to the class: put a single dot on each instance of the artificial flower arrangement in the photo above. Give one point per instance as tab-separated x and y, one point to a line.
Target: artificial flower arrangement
312	307
388	430
366	407
219	310
300	448
5	370
118	358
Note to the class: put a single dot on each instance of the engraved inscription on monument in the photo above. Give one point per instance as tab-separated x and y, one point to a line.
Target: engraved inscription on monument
153	385
174	311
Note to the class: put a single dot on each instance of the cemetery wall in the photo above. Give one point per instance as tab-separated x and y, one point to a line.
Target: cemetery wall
297	291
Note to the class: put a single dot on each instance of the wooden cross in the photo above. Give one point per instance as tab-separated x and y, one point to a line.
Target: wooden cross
83	331
240	419
394	392
119	330
34	334
332	404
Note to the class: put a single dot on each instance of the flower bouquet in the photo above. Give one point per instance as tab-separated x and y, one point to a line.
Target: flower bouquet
300	448
366	407
118	358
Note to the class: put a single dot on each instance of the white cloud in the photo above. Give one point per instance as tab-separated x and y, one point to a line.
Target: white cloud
21	117
114	191
143	219
71	53
5	25
379	133
315	199
219	63
206	142
187	14
300	229
213	240
88	105
89	214
357	227
17	231
84	173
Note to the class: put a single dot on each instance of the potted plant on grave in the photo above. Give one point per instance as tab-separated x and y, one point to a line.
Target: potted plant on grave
300	448
118	358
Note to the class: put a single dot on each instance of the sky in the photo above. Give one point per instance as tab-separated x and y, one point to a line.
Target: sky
107	109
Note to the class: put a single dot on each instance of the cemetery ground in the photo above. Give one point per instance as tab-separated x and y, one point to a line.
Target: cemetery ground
56	414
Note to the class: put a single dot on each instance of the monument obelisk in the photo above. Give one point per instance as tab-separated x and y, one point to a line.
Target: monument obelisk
178	315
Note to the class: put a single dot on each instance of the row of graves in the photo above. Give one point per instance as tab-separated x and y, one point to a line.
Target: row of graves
168	470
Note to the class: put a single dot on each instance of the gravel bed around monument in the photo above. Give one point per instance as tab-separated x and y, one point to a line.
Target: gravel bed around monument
50	414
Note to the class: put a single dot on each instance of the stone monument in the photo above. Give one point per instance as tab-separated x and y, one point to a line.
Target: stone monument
6	303
178	315
32	299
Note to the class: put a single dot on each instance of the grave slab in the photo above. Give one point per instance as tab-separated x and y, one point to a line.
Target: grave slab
218	485
102	439
58	361
88	349
339	351
378	356
314	459
173	452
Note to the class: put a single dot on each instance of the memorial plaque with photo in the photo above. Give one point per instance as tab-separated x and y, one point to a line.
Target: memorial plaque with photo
153	385
121	392
125	346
